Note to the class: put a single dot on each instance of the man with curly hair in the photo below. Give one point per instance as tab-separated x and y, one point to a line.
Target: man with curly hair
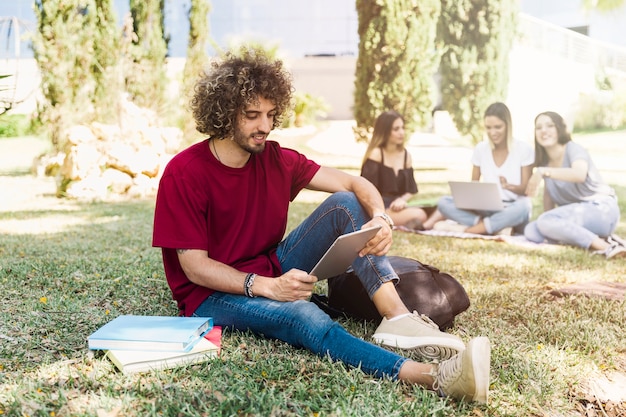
220	220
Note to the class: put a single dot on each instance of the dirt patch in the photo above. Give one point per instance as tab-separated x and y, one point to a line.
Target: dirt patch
608	290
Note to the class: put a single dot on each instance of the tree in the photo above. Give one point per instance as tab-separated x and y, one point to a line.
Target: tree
197	57
74	48
106	67
5	104
396	62
147	80
603	5
475	37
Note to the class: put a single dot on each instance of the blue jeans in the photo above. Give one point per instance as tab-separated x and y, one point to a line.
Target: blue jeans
515	215
302	323
576	224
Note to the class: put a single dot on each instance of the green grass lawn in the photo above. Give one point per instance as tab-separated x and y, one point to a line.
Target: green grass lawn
66	270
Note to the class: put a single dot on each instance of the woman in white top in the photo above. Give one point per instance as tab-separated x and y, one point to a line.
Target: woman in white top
500	159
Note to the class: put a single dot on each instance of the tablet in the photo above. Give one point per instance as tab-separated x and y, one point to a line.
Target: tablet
342	253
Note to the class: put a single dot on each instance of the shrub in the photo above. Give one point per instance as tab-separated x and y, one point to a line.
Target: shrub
475	37
396	62
306	110
602	109
15	125
147	81
76	50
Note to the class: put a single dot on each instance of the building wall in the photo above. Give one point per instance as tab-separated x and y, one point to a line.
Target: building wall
329	77
602	26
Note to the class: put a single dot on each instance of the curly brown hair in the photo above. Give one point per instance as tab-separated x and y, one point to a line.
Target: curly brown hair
232	84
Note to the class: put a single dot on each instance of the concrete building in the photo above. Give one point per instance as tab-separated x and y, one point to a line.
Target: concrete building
607	27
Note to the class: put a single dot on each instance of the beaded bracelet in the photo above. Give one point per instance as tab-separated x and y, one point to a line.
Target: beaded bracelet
247	285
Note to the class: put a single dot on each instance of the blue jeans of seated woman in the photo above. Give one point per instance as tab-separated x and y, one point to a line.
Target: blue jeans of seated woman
576	224
302	323
515	214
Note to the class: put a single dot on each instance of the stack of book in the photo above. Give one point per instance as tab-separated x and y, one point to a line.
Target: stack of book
144	343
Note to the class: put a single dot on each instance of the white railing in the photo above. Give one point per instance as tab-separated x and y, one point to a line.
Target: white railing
570	45
12	43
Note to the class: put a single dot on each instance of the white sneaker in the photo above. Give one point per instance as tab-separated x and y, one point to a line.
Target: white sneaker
449	226
466	376
507	231
615	250
419	333
616	239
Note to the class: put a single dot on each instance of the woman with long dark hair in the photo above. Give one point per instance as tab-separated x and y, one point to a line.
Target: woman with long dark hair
388	165
580	209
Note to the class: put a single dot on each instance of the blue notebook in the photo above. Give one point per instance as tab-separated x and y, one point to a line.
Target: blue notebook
151	333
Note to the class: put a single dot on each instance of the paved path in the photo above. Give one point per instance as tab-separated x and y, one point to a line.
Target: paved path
18	190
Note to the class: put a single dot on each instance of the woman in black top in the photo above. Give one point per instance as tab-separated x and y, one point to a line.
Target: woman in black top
388	165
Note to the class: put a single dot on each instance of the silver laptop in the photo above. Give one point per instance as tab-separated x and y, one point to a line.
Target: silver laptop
474	195
342	253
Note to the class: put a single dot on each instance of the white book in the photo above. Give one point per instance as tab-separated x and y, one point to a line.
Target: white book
133	361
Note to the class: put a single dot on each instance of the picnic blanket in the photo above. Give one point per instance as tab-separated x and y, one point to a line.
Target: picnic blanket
519	240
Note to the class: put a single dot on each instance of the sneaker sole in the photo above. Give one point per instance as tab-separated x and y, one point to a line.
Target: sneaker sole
428	347
617	253
479	349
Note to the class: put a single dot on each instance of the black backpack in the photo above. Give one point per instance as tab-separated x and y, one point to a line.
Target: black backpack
422	288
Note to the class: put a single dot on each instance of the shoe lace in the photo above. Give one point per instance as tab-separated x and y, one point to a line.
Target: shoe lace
425	319
447	372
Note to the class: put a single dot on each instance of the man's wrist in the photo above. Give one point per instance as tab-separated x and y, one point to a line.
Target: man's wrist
247	285
386	218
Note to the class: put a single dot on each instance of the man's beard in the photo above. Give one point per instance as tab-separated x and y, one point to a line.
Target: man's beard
242	140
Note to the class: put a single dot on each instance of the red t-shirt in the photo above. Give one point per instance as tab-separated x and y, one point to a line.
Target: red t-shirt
238	215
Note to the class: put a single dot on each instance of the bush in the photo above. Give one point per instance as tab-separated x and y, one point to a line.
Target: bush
601	110
76	48
475	37
15	125
306	110
396	62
